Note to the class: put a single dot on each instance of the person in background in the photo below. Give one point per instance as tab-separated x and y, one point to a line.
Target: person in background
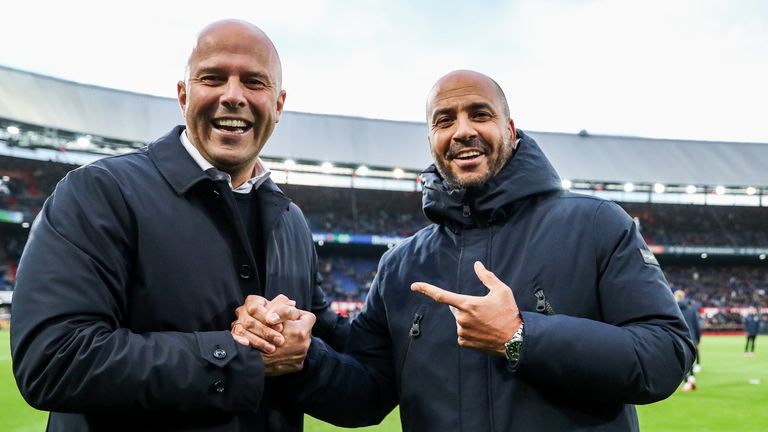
751	328
136	264
691	317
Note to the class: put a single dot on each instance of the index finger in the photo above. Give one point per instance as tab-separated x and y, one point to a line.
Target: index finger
440	295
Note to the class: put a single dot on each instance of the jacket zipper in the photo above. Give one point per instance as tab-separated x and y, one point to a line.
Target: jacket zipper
413	333
542	305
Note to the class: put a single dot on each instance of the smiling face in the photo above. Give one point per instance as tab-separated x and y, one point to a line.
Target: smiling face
232	96
471	136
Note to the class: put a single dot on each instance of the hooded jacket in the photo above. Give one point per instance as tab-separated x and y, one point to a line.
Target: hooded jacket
127	288
602	329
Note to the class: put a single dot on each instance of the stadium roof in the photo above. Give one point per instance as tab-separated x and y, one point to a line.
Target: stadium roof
54	103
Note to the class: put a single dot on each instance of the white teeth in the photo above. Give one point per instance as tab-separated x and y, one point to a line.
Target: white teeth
231	123
469	154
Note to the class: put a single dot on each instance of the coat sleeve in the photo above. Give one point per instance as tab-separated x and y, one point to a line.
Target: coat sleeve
71	352
356	388
640	349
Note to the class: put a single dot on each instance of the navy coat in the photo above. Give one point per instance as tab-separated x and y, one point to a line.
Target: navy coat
127	288
602	329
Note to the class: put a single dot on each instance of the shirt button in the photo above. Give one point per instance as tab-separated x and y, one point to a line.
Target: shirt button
246	271
219	353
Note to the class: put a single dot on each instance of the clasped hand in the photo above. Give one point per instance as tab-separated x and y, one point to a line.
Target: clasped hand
278	329
483	323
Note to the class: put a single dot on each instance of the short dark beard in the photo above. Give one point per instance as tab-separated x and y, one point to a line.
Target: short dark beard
505	151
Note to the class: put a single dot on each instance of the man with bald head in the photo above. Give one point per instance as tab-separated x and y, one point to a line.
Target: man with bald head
523	307
136	264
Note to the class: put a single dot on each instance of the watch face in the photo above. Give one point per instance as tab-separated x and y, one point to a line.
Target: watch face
512	349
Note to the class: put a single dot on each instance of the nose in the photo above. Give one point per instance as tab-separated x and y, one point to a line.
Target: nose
465	129
234	96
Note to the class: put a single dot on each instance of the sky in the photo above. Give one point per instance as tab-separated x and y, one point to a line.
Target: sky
680	69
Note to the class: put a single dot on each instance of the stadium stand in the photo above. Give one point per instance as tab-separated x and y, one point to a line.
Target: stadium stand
719	289
715	252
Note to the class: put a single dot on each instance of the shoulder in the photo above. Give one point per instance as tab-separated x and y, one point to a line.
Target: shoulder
126	165
405	250
598	207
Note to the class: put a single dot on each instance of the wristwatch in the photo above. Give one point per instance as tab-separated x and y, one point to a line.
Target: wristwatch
513	346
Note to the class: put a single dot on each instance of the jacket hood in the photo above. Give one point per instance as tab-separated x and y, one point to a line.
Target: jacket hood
527	173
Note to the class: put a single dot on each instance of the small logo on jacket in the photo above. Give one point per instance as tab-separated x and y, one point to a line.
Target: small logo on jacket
648	257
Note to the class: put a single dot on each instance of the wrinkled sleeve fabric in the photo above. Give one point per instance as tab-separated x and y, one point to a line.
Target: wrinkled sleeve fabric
638	352
70	352
356	388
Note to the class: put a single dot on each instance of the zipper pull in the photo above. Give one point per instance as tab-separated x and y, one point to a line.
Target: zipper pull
466	213
542	305
415	326
541	301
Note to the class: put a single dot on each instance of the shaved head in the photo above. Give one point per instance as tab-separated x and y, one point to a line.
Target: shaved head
210	33
471	134
232	95
462	72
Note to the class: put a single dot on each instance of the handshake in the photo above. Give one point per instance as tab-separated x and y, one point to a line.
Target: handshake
278	329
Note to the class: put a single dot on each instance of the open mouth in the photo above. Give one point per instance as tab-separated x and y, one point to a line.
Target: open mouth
236	126
467	155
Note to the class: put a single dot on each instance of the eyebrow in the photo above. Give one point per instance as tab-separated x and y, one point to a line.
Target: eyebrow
481	105
474	106
218	70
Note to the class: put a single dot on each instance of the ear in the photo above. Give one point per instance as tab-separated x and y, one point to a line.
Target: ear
512	130
279	105
181	93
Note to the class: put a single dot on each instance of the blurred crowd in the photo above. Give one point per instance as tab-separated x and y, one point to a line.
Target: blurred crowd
25	184
359	211
701	225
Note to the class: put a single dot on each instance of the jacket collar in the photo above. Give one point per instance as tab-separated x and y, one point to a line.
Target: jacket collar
174	162
527	173
182	172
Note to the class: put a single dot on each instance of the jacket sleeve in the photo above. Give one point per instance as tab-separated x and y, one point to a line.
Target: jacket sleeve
638	352
70	349
356	388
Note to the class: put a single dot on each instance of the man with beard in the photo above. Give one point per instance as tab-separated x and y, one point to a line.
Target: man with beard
134	268
558	316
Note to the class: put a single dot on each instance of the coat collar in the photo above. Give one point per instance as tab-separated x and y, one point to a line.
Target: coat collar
182	172
527	173
174	162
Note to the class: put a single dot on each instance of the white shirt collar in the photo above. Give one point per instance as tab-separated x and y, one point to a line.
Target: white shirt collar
260	172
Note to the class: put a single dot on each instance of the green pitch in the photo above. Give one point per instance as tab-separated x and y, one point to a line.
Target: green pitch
724	401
